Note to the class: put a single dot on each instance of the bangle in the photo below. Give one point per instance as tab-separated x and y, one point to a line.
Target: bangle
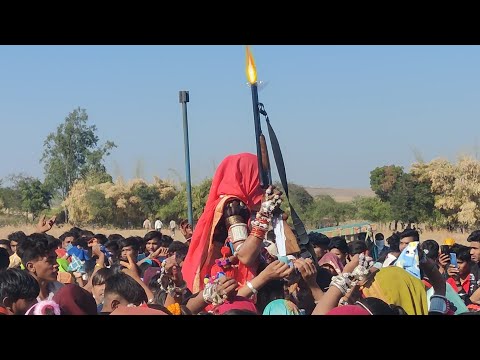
250	286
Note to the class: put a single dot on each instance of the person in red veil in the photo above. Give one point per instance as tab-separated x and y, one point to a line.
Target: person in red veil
225	240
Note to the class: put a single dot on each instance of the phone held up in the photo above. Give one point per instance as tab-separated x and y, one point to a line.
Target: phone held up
453	260
445	249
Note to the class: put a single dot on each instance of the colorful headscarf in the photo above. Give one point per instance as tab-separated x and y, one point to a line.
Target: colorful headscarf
333	260
349	310
136	310
281	307
236	177
396	286
239	303
408	259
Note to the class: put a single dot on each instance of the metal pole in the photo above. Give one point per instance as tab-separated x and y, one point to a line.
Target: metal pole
184	98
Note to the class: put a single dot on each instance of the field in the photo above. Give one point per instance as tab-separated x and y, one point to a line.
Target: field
59	230
340	195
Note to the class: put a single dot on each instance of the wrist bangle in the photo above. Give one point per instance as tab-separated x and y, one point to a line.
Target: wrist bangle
250	286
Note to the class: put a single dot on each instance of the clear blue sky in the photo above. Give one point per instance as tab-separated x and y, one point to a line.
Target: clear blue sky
339	111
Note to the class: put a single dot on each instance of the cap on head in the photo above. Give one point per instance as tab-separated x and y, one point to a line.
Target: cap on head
449	242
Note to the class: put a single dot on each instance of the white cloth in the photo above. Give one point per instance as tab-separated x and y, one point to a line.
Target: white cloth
158	225
173	225
390	258
52	288
280	239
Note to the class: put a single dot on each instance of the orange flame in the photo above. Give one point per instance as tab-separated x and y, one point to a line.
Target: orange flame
251	69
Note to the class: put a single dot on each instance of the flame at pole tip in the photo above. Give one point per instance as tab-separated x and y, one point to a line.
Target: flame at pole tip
250	69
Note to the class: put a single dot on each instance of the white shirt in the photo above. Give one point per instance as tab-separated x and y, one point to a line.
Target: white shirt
172	224
158	225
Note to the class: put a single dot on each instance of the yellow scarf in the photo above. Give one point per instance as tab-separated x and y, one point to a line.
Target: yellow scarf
396	286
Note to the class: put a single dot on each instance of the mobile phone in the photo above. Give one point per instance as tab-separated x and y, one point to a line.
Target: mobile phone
305	254
453	259
445	249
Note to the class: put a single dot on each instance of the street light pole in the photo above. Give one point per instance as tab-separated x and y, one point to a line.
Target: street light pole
184	98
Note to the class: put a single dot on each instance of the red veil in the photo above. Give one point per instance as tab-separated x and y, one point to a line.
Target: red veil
236	177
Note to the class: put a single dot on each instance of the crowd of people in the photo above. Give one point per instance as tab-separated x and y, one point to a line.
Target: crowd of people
233	263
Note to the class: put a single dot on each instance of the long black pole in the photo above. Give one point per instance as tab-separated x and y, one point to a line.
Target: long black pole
184	98
263	174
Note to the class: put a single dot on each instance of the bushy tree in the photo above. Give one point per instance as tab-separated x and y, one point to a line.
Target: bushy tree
411	200
383	180
34	195
456	188
73	152
373	209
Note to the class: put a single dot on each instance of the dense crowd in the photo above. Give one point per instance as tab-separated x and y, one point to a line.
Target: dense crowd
239	260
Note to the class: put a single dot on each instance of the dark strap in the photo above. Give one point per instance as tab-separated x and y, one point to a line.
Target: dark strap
277	154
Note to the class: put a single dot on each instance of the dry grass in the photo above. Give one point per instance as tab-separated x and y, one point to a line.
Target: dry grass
59	230
438	236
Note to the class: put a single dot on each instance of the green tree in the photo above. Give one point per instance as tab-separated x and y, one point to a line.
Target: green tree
100	207
11	199
149	199
35	196
72	152
342	212
325	211
383	180
177	207
411	201
300	199
373	209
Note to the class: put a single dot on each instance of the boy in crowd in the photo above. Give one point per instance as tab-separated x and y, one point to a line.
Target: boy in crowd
40	260
18	291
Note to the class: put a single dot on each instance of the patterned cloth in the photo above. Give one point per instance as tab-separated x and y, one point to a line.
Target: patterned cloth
79	256
409	261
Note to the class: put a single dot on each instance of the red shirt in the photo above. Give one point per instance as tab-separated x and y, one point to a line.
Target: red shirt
465	285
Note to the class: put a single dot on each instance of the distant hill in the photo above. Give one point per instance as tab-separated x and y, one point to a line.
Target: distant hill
340	195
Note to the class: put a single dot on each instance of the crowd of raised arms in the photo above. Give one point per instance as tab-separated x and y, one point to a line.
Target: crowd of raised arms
233	263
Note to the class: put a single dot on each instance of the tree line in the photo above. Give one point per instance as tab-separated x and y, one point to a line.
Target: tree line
439	194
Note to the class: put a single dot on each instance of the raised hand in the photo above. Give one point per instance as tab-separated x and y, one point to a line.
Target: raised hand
276	270
443	260
44	225
226	287
453	272
131	267
272	199
173	270
307	269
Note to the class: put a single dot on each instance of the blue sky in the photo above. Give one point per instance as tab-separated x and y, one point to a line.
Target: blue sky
338	111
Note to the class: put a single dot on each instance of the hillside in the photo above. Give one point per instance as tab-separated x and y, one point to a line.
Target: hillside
340	195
